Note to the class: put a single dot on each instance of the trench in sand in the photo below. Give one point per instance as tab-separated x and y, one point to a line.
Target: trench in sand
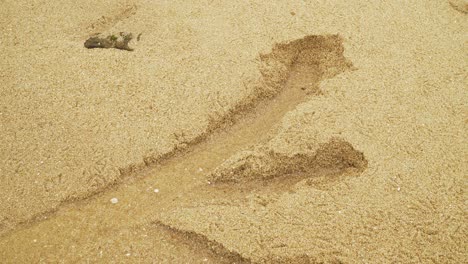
95	220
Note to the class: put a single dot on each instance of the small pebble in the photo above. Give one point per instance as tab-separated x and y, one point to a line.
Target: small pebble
200	169
114	200
156	190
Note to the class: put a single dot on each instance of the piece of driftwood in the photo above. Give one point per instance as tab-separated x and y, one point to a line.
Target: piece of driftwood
112	41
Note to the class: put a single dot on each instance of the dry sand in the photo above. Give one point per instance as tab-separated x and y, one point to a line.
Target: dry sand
284	132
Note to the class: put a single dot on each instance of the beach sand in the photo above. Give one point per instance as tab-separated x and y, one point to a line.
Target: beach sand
234	132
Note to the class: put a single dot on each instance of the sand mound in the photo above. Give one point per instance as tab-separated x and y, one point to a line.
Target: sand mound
203	244
263	164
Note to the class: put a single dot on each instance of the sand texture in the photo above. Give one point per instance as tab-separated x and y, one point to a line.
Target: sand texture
233	132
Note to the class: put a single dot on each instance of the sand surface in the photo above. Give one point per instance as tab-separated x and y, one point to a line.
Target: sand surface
235	132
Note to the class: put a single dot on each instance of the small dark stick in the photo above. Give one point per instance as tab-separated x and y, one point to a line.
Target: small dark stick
111	41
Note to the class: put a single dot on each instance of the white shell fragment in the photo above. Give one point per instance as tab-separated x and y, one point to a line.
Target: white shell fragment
114	200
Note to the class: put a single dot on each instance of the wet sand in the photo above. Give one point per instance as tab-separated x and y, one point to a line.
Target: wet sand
234	133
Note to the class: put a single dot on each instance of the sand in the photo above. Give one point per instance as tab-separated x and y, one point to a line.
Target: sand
284	132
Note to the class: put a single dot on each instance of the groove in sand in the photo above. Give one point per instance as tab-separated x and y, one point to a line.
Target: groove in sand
95	220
